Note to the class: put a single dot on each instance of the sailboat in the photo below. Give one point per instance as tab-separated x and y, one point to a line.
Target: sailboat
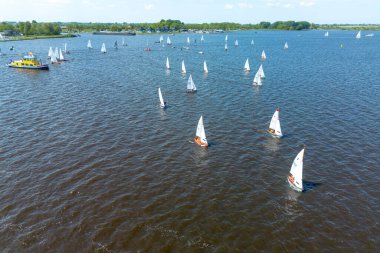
359	35
103	49
65	49
225	47
61	58
190	85
205	69
162	103
295	174
168	41
252	42
50	52
274	126
286	45
200	136
53	58
257	79
202	39
326	34
161	39
263	55
183	68
89	46
167	63
246	66
236	43
261	71
226	37
188	40
115	45
123	42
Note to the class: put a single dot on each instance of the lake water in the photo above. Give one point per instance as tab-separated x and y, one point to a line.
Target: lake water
89	162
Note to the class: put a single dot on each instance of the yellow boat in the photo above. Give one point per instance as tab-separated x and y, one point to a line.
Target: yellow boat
28	62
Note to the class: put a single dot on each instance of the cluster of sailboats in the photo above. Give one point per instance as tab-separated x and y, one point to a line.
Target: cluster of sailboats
56	55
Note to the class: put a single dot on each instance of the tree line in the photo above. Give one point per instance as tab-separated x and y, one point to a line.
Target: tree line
32	28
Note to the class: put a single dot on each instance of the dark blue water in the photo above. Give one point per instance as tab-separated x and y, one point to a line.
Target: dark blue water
90	163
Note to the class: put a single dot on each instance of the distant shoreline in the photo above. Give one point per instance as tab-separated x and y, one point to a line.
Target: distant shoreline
37	37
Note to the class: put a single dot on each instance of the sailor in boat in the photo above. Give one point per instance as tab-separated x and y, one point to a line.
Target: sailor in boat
272	131
291	178
198	140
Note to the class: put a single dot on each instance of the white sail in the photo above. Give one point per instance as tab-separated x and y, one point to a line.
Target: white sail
56	53
53	58
202	39
89	44
161	39
225	47
246	65
191	85
226	37
61	58
168	41
162	103
261	72
252	42
122	42
295	175
65	50
275	123
286	45
263	55
50	52
236	43
257	79
183	67
103	50
327	34
205	69
188	40
167	63
201	131
359	35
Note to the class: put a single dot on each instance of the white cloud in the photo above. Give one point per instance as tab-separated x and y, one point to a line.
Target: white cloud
228	6
148	6
307	3
244	5
288	5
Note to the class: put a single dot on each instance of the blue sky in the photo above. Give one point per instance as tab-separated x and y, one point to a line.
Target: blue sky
192	11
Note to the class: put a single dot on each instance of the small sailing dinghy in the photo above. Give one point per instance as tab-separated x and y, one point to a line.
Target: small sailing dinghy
188	40
65	50
274	126
261	72
226	37
257	79
246	66
168	41
225	47
286	45
326	34
53	59
51	52
190	85
295	174
61	58
167	63
359	35
236	43
205	69
161	39
103	49
89	46
200	136
263	55
56	53
162	103
115	45
183	68
252	42
202	39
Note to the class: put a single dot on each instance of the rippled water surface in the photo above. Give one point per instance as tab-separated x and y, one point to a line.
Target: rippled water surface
90	163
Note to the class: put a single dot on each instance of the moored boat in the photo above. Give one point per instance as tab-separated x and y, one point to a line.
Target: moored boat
28	62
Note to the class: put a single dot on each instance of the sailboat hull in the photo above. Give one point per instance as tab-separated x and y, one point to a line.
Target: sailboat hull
272	132
293	186
198	141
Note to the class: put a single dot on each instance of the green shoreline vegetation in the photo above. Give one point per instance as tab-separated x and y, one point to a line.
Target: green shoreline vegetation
33	30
